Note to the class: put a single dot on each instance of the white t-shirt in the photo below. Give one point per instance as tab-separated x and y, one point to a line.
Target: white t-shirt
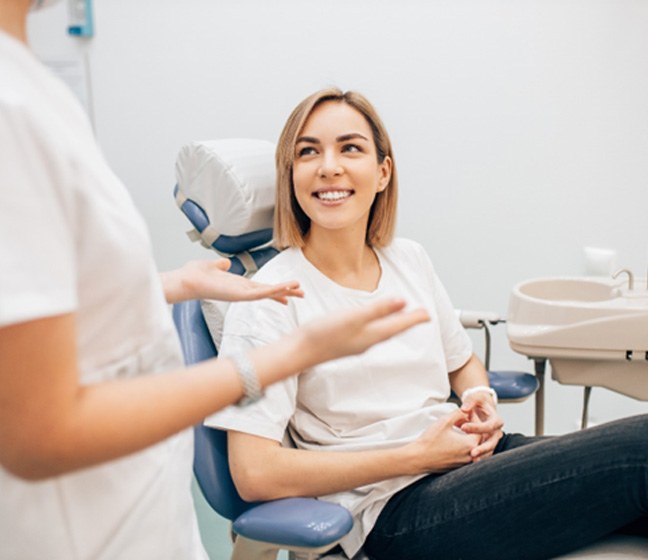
71	240
383	398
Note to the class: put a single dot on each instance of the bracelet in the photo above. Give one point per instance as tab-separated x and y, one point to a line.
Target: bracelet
479	389
247	375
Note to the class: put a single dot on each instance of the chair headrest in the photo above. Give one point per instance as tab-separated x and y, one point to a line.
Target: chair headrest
226	189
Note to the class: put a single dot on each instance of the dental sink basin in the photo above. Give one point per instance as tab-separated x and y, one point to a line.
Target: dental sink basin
593	331
568	289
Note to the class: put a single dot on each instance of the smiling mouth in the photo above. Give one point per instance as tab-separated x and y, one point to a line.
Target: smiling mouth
333	196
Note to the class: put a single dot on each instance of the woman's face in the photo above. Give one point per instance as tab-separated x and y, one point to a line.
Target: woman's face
336	174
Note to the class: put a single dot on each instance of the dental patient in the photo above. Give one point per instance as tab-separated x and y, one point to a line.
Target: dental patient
375	433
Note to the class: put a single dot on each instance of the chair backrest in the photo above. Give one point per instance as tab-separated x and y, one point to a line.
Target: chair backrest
211	466
225	188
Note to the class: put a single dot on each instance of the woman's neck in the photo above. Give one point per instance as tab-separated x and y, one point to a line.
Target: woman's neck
345	258
13	18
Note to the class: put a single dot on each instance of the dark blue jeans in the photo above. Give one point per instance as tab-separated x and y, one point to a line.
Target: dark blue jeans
534	498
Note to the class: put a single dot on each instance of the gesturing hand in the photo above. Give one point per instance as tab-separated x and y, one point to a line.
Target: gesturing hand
352	332
209	279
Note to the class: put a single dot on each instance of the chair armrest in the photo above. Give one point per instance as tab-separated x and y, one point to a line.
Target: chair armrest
295	523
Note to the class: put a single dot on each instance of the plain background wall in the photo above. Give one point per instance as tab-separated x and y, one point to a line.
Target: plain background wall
520	126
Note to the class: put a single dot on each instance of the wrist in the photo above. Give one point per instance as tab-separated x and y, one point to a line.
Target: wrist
279	360
175	286
479	389
248	378
408	457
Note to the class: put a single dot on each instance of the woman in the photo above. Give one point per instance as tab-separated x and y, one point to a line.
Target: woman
95	450
375	433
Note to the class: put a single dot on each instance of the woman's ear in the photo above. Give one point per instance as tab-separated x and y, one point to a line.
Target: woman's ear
384	171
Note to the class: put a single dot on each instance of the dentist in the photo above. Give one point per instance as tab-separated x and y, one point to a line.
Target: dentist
95	405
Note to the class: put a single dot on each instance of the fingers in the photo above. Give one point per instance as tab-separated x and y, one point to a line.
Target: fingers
456	418
392	325
277	292
223	264
380	309
483	426
282	293
386	320
486	447
483	417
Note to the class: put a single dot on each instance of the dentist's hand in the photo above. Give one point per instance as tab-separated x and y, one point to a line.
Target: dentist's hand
484	421
354	331
209	279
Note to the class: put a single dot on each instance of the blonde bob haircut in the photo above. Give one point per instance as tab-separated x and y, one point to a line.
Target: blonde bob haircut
291	224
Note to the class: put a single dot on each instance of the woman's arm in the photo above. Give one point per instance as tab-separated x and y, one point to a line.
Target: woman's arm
264	470
209	279
471	374
50	424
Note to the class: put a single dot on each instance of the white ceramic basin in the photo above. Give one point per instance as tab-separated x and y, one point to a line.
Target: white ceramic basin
593	331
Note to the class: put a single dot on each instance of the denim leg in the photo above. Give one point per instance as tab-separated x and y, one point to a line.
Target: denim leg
535	498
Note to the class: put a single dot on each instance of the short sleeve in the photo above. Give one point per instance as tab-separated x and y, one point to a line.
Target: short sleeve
248	325
37	241
457	345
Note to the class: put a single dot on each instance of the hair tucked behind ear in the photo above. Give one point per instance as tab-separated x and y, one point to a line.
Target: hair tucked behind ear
291	224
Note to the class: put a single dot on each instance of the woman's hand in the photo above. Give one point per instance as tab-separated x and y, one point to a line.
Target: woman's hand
484	421
209	279
352	332
443	446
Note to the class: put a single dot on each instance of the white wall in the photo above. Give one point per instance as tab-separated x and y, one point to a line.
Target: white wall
520	126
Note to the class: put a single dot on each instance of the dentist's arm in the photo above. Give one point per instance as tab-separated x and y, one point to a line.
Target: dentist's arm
50	424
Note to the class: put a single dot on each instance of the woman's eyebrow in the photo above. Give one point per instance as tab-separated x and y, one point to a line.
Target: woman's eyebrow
351	136
341	138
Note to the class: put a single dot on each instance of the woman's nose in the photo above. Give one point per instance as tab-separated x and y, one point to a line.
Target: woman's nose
330	166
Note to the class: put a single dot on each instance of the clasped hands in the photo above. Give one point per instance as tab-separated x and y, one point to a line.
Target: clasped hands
481	419
467	435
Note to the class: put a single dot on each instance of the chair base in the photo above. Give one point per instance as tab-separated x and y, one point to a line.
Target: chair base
246	549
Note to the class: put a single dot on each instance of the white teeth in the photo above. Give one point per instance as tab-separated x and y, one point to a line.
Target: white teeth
333	195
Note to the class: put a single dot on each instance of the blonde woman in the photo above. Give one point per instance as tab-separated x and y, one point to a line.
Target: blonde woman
422	477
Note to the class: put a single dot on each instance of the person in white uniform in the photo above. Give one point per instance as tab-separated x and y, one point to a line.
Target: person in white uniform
96	407
375	433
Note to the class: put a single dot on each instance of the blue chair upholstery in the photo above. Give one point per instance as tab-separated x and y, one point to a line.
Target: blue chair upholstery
512	386
291	523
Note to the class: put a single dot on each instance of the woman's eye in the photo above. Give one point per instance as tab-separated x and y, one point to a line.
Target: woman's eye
305	151
351	148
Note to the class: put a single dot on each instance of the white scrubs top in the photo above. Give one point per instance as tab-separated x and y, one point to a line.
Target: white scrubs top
71	240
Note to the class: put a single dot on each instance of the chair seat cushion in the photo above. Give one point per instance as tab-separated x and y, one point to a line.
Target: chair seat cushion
513	385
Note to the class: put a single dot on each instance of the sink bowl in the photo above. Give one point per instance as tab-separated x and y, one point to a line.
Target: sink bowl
568	289
593	331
